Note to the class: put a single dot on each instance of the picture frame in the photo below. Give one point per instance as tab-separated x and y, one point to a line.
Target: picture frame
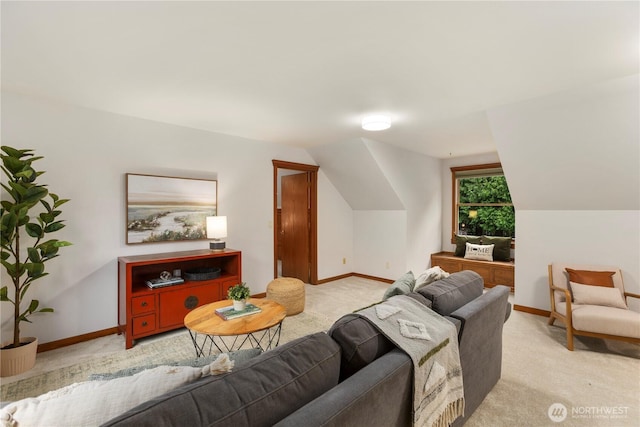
168	209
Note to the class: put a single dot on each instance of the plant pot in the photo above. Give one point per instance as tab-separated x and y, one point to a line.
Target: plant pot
239	305
14	361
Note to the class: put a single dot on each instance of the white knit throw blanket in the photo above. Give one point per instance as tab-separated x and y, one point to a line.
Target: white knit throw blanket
431	342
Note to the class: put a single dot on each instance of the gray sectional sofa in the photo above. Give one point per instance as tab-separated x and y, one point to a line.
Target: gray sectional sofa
351	376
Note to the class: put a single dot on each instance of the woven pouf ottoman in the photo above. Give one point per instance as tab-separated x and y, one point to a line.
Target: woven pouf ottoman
288	292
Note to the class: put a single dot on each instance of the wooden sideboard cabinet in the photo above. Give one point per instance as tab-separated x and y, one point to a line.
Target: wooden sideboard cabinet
143	311
493	272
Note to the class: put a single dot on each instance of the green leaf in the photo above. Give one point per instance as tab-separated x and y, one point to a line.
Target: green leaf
13	165
34	255
35	193
48	249
23	220
33	306
47	217
46	310
4	294
60	202
19	190
54	226
46	205
34	230
34	269
10	267
4	255
9	220
28	174
14	152
61	243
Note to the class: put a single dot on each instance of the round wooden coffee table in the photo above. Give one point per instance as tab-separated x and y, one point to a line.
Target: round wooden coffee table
260	330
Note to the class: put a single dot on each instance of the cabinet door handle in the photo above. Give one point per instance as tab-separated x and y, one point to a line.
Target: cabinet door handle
191	302
144	304
144	323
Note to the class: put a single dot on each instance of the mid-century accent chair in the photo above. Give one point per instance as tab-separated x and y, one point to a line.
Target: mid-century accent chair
591	301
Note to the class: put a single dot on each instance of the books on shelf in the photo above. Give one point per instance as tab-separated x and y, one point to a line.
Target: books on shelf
159	283
228	313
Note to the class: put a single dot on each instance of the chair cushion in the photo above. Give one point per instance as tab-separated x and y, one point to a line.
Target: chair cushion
594	278
451	293
606	320
597	295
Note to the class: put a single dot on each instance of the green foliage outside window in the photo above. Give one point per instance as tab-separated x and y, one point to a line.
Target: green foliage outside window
484	207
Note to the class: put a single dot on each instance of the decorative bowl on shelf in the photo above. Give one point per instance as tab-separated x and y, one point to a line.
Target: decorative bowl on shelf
204	273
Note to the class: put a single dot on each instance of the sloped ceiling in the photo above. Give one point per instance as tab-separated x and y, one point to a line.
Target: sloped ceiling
304	73
575	150
356	175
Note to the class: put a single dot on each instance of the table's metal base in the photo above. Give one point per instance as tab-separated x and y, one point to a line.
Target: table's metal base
206	344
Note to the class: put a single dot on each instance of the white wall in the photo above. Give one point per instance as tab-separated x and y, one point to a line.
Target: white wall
380	243
335	231
416	180
572	161
574	150
87	154
394	193
581	237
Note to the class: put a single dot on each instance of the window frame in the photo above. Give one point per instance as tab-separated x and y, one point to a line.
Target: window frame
471	171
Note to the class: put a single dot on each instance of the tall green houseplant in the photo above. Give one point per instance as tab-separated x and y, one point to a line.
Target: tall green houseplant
29	214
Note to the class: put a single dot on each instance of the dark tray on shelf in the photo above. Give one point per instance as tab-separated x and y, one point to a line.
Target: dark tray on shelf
204	273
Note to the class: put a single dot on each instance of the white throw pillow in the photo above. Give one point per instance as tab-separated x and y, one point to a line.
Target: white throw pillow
597	295
479	252
430	275
92	403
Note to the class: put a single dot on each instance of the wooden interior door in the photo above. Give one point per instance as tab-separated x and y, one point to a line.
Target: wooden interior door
295	226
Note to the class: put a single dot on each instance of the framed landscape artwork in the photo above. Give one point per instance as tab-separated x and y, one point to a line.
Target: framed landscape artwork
168	209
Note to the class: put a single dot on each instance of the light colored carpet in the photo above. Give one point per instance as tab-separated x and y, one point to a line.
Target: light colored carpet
598	378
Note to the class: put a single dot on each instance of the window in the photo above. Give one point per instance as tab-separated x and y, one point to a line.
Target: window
481	202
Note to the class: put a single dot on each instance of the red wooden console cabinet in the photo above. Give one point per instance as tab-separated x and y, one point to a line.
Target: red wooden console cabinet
143	311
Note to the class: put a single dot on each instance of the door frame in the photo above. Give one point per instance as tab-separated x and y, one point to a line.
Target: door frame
312	171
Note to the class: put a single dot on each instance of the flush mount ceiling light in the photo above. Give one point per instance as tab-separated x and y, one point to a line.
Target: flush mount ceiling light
376	122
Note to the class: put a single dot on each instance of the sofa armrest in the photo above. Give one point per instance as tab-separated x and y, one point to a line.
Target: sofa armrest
380	394
481	345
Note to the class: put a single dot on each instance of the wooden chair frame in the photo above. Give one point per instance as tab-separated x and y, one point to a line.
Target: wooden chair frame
568	319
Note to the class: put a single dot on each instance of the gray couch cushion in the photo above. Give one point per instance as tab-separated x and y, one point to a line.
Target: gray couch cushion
361	343
261	392
451	293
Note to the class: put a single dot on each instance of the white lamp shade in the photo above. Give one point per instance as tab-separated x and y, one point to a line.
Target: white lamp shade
376	122
216	227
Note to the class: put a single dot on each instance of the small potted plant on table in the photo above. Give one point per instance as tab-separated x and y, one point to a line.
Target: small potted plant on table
239	294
